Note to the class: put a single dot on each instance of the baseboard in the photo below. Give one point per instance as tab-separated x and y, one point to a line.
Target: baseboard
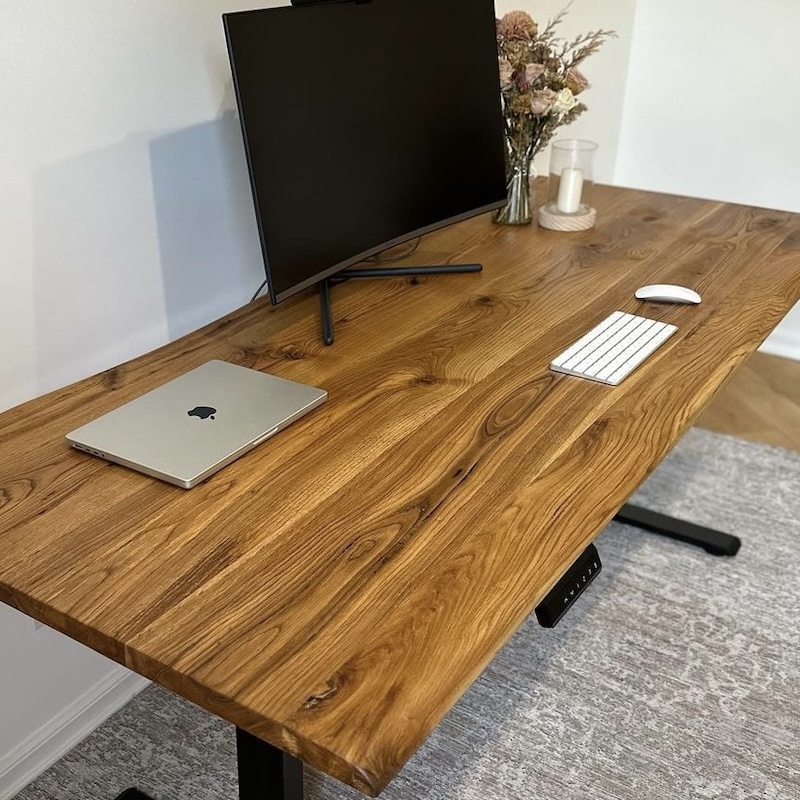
783	343
44	747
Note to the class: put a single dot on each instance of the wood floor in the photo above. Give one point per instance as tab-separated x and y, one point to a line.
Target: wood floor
760	403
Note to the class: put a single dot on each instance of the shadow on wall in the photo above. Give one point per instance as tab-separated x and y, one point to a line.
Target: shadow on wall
139	243
97	282
207	235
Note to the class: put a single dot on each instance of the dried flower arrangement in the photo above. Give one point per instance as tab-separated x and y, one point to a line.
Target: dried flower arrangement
539	83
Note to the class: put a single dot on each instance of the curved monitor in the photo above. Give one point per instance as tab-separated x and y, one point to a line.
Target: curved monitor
365	124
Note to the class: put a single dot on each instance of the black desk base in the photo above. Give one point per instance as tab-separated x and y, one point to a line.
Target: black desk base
714	542
265	772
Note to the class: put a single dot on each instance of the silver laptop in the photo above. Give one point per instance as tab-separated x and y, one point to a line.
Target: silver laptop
196	424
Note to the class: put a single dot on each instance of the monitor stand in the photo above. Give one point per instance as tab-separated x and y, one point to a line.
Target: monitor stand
377	272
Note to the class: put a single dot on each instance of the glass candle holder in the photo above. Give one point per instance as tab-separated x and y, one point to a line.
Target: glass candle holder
569	186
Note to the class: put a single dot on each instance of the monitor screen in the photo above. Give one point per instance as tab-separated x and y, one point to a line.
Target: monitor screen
365	124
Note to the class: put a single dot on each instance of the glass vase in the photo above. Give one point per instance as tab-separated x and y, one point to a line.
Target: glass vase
519	200
522	135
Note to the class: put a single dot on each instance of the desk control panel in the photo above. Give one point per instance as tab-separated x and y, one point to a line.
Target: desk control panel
572	585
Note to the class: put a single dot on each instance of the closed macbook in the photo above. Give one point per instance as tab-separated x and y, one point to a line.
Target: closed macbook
189	428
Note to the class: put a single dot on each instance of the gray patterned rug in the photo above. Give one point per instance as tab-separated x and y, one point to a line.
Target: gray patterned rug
674	676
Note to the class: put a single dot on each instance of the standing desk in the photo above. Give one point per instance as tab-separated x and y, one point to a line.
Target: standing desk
336	590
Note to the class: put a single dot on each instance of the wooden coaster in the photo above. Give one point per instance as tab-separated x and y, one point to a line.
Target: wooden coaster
567	222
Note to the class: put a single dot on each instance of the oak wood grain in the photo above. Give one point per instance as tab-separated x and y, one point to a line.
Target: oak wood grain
337	589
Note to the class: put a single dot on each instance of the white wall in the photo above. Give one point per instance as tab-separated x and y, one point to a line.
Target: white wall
125	211
52	693
712	109
125	221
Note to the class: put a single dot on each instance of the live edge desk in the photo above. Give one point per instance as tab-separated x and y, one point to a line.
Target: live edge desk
335	591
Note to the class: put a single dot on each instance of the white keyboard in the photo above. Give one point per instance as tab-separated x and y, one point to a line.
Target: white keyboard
614	348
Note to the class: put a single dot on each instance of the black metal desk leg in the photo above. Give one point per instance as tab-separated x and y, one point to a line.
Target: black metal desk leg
714	542
265	772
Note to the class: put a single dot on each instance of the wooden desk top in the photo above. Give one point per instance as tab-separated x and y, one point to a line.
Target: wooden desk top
336	590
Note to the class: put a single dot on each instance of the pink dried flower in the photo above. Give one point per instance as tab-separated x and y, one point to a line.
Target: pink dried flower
575	81
542	101
532	72
506	72
516	25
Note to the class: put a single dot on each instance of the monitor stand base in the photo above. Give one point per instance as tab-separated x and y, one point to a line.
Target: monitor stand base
377	272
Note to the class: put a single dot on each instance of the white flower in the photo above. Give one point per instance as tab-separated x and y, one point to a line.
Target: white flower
564	101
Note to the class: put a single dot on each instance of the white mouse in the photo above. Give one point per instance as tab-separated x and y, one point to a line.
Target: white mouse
667	293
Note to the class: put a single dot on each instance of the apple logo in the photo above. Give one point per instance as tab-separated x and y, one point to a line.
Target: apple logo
203	412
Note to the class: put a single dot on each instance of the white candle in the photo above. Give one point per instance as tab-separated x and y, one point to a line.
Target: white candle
569	190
